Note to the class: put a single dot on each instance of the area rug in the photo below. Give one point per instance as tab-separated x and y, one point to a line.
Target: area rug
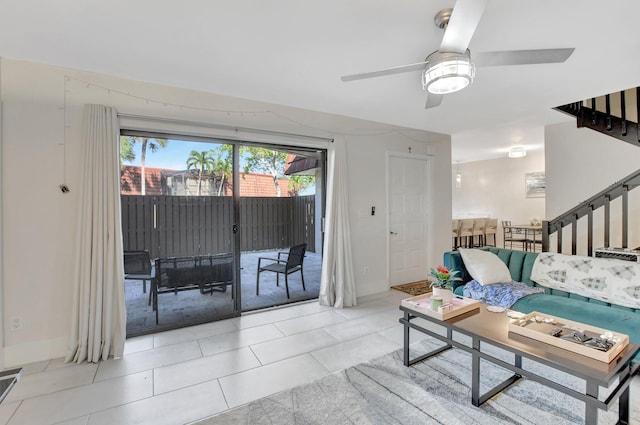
436	391
414	288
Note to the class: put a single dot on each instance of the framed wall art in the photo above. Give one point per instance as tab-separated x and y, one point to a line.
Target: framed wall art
534	185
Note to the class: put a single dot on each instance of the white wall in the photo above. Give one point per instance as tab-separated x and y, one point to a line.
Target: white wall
496	188
580	163
1	239
40	222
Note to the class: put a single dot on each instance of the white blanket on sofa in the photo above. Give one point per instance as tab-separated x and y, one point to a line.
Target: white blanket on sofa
605	279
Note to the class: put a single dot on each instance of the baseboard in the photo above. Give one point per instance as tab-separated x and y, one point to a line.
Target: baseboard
36	351
371	288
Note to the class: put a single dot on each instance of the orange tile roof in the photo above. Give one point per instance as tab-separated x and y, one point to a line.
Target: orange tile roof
261	185
131	178
251	184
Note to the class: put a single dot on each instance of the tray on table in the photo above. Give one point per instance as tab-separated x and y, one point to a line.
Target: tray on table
539	326
422	304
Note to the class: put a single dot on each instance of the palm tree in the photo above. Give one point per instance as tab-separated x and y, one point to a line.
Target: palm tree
223	167
223	164
152	144
203	162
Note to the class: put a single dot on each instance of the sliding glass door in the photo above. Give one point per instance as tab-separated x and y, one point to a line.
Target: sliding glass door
177	206
281	205
207	213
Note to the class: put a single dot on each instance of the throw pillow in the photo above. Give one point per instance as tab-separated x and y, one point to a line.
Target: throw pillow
485	267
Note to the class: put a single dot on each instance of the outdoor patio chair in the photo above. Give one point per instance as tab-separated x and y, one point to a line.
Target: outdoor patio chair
292	264
137	266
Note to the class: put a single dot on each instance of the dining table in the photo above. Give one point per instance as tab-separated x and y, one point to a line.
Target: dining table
532	235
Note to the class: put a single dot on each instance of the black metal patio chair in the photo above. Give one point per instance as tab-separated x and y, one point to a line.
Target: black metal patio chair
138	266
292	264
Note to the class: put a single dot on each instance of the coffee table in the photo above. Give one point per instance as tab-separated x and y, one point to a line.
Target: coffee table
484	327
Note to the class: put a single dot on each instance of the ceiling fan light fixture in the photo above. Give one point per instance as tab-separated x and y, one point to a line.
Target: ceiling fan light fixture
447	72
517	152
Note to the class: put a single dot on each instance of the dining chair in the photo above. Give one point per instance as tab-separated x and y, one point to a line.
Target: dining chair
455	233
478	232
292	264
511	235
490	228
534	239
466	232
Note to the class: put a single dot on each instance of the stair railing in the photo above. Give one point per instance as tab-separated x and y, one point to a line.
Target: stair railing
604	121
586	208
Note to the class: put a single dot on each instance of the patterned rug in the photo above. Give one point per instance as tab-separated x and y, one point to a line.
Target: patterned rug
414	288
435	391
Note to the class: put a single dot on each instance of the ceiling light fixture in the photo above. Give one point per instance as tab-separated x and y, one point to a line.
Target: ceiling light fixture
517	152
447	72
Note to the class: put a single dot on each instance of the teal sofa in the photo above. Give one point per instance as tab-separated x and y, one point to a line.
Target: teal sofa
554	302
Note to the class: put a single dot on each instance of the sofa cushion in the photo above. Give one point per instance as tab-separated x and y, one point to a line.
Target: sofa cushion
594	314
485	267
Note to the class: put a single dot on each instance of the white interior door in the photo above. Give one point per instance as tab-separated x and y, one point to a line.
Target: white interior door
407	195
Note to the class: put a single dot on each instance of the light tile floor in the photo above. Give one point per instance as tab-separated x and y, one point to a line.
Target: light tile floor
184	375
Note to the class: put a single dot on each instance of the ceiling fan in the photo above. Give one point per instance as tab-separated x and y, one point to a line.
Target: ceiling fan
449	68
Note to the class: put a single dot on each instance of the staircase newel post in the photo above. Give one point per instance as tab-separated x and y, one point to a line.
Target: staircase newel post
638	109
607	100
580	117
623	112
545	236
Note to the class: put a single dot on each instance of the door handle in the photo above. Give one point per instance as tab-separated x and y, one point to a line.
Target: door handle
393	233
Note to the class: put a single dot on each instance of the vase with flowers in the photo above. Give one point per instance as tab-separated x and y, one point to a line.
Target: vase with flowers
443	282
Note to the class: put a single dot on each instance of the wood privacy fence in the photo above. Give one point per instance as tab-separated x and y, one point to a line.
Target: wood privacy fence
180	226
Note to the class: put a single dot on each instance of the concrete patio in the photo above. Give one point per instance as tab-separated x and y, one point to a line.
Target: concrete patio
191	307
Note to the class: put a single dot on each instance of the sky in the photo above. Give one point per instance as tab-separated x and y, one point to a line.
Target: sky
174	156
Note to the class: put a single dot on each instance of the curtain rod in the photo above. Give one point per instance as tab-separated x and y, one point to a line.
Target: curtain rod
225	127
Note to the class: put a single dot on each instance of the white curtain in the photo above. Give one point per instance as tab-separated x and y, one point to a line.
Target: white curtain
98	328
337	285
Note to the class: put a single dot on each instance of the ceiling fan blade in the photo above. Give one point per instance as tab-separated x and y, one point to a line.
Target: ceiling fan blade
433	100
521	57
389	71
462	24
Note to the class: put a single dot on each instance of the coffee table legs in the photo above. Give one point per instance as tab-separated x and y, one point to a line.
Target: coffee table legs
590	410
589	397
406	339
476	398
406	321
623	407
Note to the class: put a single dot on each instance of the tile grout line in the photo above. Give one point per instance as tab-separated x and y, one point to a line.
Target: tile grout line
235	324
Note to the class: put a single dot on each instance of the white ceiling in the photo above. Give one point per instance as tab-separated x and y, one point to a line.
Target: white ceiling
293	52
